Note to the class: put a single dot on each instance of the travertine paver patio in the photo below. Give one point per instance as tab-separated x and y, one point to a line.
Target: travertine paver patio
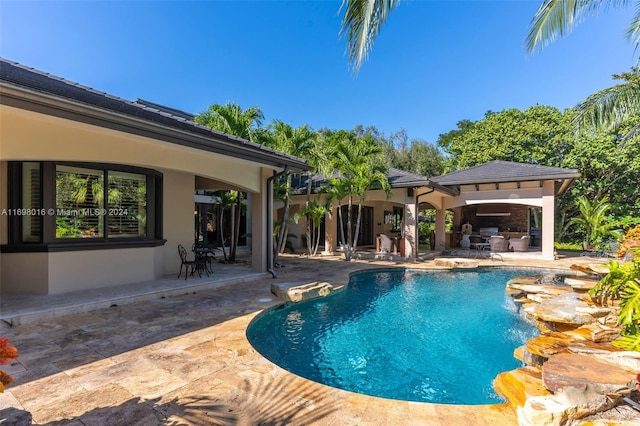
185	360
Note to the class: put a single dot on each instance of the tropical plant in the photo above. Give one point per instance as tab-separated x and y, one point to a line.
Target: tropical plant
230	118
607	108
361	169
361	24
623	283
559	17
593	219
610	108
233	120
294	141
227	202
318	156
314	213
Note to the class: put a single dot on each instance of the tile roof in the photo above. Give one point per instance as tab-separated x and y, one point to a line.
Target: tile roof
505	171
397	179
15	74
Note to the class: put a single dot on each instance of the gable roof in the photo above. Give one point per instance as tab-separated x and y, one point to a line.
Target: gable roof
505	171
31	89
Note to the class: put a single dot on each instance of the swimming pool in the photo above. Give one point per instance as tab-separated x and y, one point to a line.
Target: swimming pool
432	336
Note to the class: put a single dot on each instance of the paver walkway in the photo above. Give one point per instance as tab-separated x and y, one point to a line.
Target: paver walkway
185	360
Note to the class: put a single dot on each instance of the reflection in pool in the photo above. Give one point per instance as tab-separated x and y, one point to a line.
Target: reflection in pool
432	336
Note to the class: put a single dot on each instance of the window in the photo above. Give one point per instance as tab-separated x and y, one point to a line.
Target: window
398	214
127	205
79	202
83	202
31	201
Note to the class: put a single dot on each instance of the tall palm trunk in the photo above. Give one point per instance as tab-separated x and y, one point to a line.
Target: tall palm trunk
341	221
220	222
236	228
348	254
317	242
283	228
309	225
355	238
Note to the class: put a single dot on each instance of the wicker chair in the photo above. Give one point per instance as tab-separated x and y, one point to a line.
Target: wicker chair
498	243
519	244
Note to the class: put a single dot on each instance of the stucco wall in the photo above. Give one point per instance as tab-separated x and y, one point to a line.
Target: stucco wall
24	273
80	270
178	217
27	135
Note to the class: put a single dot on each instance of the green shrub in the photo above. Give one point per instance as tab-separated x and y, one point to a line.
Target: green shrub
623	283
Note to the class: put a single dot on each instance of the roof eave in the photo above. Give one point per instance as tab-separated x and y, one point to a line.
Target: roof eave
220	143
565	176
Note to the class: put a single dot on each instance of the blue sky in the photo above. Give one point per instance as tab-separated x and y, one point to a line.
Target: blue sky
435	62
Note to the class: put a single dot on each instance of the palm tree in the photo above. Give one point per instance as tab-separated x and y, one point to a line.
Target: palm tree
593	218
233	120
361	168
314	213
294	141
611	108
361	24
608	108
559	17
337	190
318	155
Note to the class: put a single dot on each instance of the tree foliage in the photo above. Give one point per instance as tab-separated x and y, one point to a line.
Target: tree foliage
233	120
536	135
361	168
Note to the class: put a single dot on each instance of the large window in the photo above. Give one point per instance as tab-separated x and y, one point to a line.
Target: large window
79	202
66	202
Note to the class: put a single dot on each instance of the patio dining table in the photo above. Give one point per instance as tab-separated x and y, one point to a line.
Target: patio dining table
482	250
204	256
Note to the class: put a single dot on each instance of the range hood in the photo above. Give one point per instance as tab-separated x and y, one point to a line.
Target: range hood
493	210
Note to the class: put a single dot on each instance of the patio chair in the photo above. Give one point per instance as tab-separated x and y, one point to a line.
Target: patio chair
498	243
187	263
385	244
475	239
519	244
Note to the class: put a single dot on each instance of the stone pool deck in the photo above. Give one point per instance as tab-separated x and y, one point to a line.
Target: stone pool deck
184	359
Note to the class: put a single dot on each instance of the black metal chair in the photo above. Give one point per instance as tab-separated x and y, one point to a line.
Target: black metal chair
187	263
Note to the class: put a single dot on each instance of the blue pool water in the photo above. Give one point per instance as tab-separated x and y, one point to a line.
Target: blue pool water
418	336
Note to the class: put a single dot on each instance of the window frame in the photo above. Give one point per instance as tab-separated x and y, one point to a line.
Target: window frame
48	240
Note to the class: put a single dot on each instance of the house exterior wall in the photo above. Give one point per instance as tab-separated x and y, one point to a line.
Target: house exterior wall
178	217
31	136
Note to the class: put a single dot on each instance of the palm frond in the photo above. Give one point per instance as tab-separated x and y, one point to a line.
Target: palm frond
611	107
633	30
361	23
558	17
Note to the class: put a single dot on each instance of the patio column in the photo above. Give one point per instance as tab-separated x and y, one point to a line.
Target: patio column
331	230
548	219
440	229
410	229
259	226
